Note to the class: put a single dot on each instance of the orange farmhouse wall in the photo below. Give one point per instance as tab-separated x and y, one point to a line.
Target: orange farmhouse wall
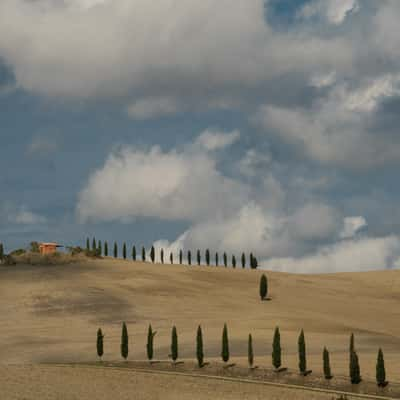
47	248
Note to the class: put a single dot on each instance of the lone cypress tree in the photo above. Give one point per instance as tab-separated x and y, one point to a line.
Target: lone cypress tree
243	260
180	256
351	346
106	249
174	344
207	257
143	254
199	347
233	262
276	349
1	251
162	256
99	344
225	345
327	364
380	370
253	262
250	354
124	251
94	244
189	257
355	376
152	254
216	259
99	249
150	341
198	257
134	253
302	353
171	257
263	287
225	260
115	250
87	244
124	341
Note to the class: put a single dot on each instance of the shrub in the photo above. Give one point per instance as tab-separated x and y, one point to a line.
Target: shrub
263	287
17	252
124	341
99	344
34	248
276	349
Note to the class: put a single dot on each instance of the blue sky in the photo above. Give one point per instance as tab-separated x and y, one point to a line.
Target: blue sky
268	126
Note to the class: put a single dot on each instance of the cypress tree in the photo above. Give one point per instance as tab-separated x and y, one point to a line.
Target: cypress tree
253	262
124	341
150	341
352	349
143	254
276	349
355	376
250	354
87	244
189	257
100	248
171	257
180	256
124	251
198	257
99	344
302	353
327	364
208	257
243	260
105	249
152	254
225	260
263	287
233	262
94	245
225	345
162	256
174	344
199	347
115	250
134	253
216	260
1	251
380	370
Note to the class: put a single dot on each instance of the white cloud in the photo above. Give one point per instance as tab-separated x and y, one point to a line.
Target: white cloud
169	185
216	140
153	107
333	11
351	225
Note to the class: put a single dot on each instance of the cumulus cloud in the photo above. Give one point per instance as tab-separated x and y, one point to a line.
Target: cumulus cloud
216	140
351	225
153	107
20	215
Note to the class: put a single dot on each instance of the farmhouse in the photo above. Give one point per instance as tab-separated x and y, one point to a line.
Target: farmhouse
48	248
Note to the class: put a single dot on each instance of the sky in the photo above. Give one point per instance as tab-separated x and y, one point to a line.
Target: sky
269	127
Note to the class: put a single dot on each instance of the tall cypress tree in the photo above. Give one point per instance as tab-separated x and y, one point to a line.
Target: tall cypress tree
105	249
380	370
327	364
355	376
276	349
225	345
233	261
1	251
207	257
99	249
250	354
225	260
352	349
189	256
152	254
171	257
198	257
243	260
124	251
134	253
253	262
99	344
302	353
143	254
87	244
263	287
199	347
115	250
162	256
94	244
180	256
150	342
216	259
124	341
174	344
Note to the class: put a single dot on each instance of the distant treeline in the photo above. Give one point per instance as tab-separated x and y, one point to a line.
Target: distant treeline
99	248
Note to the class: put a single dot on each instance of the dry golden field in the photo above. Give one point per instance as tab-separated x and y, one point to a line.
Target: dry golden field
51	314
